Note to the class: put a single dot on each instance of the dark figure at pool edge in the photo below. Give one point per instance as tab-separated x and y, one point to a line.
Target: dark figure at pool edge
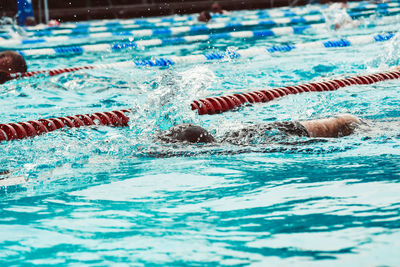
338	126
217	9
11	62
204	16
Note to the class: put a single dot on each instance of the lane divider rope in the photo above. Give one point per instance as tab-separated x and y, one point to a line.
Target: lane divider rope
108	37
21	130
219	104
119	26
117	46
217	56
124	25
211	105
275	13
163	22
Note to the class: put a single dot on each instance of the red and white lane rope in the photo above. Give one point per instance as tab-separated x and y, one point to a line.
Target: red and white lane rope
21	130
54	72
219	104
211	105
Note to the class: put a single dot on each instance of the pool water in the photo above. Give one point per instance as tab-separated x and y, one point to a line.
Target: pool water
108	196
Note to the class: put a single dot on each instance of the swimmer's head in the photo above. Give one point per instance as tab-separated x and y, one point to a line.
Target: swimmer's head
11	62
30	21
216	8
204	16
188	133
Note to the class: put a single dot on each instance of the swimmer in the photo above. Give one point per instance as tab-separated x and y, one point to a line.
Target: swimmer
217	9
30	21
339	126
11	62
204	16
337	15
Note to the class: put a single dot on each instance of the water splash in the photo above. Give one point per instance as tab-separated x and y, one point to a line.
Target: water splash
336	17
167	101
390	54
10	26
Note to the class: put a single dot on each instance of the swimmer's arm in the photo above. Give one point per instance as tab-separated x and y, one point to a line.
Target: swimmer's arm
339	126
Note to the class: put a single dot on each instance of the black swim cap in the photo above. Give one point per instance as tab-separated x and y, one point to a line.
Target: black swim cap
186	133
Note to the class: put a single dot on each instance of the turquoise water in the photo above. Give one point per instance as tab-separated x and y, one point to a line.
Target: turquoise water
107	196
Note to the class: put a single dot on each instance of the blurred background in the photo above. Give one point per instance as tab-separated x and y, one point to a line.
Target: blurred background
78	10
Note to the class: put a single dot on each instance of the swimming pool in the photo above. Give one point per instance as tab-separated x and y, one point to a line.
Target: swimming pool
102	196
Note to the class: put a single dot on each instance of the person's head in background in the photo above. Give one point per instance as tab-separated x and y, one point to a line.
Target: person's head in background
11	62
216	8
30	21
204	16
